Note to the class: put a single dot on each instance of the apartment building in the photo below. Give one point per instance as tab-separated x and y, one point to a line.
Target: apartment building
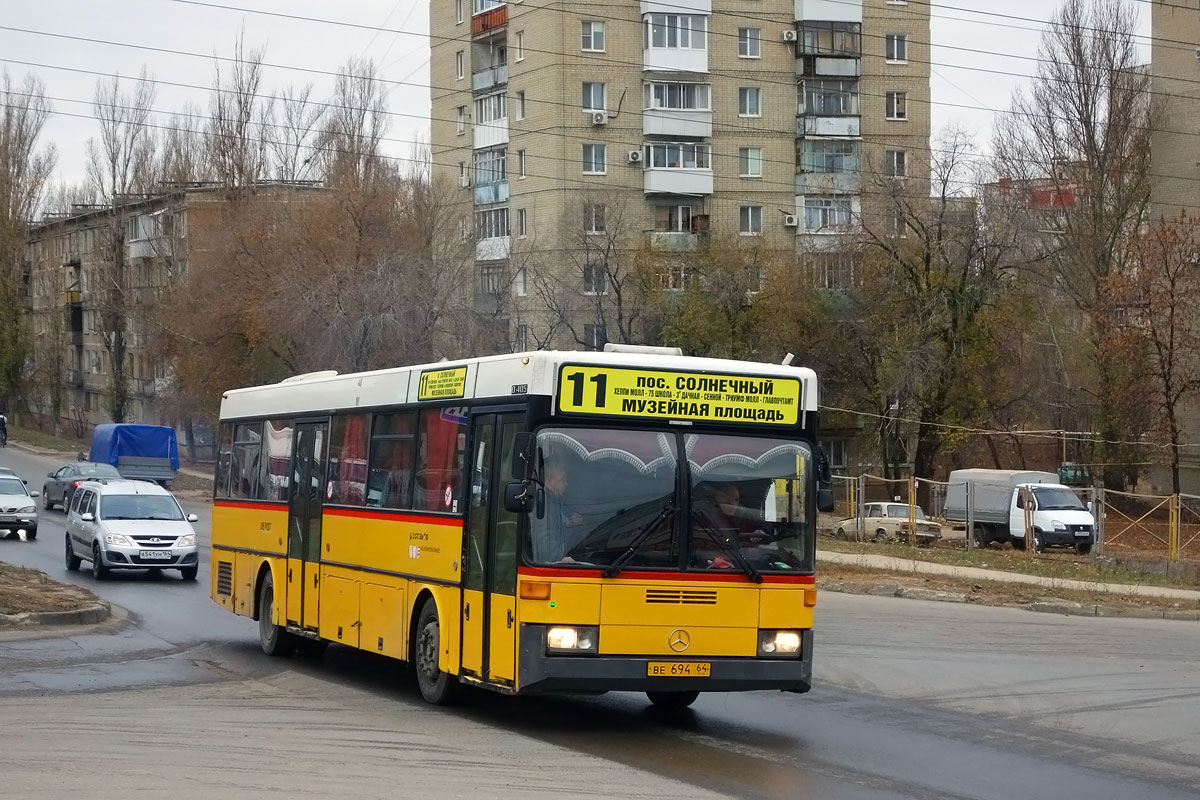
580	139
1175	84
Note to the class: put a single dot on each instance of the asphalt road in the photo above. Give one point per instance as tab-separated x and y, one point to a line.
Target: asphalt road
913	700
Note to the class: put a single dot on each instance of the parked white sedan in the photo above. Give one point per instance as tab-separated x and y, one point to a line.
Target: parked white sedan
885	522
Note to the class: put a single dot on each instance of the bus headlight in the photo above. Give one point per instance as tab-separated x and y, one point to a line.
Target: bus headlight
778	643
581	639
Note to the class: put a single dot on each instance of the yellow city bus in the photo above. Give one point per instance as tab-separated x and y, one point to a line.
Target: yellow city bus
537	522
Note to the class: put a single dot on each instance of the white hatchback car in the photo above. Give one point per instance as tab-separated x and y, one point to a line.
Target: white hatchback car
18	512
120	524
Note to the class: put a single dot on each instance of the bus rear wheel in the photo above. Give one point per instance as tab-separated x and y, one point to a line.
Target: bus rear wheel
275	639
436	687
672	700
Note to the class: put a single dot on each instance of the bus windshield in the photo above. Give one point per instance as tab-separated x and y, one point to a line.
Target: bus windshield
744	503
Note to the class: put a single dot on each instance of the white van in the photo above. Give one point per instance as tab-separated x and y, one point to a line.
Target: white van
120	524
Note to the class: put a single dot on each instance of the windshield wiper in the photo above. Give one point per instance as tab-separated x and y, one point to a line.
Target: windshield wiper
638	540
727	548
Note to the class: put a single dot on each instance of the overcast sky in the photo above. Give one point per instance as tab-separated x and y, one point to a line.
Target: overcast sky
979	57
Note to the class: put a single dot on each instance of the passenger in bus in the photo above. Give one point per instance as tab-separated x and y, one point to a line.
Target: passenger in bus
560	528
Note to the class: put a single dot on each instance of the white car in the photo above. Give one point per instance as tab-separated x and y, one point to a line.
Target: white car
18	512
888	522
120	524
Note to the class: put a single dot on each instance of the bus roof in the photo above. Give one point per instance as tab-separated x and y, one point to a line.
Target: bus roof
504	376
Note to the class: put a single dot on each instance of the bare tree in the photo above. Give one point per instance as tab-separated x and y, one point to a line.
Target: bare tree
182	151
25	167
237	113
1083	132
294	140
355	124
119	166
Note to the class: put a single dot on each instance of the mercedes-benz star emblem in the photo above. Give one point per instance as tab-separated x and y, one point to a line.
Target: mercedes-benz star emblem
678	640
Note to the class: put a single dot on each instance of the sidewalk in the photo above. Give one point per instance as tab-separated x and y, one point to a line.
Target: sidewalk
975	573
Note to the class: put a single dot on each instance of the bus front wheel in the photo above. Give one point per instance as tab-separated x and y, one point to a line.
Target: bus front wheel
436	687
275	639
672	700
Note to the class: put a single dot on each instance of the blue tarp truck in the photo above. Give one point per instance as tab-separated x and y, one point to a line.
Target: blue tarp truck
139	452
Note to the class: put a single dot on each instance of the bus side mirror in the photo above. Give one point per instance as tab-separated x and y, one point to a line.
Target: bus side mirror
825	499
518	498
522	459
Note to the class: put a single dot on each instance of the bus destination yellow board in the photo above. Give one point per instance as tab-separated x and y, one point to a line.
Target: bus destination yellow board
661	394
439	384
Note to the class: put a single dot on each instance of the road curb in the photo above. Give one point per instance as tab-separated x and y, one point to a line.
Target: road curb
80	616
1086	610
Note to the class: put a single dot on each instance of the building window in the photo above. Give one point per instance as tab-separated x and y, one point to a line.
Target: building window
681	96
521	104
827	213
896	48
522	229
462	169
828	97
491	278
750	220
897	105
522	341
673	219
897	227
895	163
826	156
521	282
676	31
491	165
490	108
830	39
749	43
593	96
459	66
680	155
595	279
491	224
750	162
519	45
594	337
833	270
460	120
749	101
458	12
593	218
521	164
593	159
593	35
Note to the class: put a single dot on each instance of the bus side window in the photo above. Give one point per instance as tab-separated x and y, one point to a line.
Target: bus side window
440	453
389	482
347	478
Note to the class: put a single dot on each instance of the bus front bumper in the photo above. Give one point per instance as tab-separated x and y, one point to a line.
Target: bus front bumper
539	672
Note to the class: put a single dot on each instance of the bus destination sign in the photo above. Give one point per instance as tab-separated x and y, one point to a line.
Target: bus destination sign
661	394
442	384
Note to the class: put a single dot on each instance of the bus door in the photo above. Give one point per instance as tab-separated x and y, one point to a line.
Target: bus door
490	583
305	505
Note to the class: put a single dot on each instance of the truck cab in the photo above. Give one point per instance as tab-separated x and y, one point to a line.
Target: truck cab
1055	515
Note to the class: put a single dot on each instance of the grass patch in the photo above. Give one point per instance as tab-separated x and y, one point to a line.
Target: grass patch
1061	564
63	444
23	590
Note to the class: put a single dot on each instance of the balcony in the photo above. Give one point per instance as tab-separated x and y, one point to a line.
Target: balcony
674	241
494	249
847	182
490	134
489	78
75	378
495	192
687	123
814	125
72	260
678	181
676	6
484	21
828	66
829	10
674	59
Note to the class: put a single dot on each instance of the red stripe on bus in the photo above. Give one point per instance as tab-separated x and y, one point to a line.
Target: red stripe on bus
395	516
263	506
712	577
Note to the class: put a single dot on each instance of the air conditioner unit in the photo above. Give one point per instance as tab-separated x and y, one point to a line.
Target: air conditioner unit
464	181
789	35
635	156
790	221
599	117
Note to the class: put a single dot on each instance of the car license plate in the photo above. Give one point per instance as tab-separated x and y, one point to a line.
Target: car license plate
1081	534
156	555
8	519
679	669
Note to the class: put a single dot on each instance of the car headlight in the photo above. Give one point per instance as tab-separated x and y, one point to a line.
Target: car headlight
118	540
1058	526
578	639
778	643
187	540
28	510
